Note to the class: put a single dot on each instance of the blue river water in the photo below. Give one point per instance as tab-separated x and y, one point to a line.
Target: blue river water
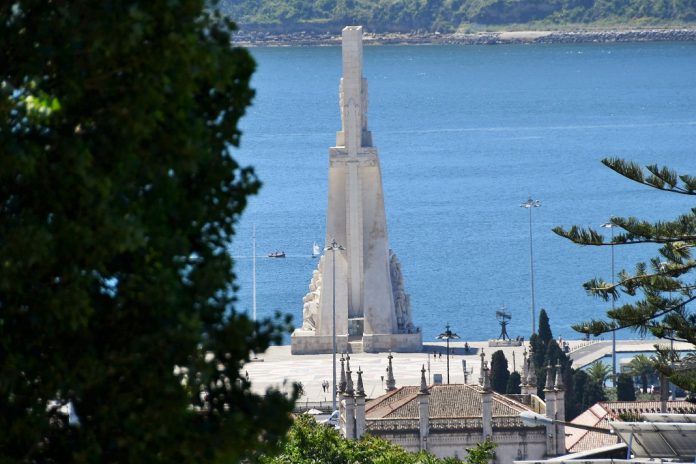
465	135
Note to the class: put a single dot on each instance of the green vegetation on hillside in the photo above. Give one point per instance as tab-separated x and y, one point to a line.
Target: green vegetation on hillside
449	15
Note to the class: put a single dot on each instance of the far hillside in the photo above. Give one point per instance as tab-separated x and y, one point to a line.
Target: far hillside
382	16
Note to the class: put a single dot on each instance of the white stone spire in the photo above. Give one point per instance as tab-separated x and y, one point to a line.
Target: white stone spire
423	384
342	382
558	385
483	367
549	377
360	389
349	381
391	382
531	369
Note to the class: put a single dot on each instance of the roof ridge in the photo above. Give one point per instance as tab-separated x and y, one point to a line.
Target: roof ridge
509	401
383	398
400	403
382	410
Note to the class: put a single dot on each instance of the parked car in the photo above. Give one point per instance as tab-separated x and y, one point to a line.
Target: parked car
332	421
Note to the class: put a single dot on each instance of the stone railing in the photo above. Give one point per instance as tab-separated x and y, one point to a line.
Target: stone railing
506	422
392	425
446	425
304	406
584	344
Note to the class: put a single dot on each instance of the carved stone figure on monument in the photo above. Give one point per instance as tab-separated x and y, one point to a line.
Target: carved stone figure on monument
402	302
310	308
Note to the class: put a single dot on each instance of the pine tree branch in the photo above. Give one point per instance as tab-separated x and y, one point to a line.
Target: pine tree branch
663	178
599	327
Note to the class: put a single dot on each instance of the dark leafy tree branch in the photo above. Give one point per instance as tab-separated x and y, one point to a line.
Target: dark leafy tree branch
665	284
119	196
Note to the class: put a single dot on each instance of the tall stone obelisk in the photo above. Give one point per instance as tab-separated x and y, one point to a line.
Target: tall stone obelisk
373	313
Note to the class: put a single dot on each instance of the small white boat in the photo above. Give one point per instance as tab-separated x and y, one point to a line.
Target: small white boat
276	254
316	251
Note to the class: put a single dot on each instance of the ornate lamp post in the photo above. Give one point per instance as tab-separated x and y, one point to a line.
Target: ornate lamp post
610	226
333	247
447	335
530	204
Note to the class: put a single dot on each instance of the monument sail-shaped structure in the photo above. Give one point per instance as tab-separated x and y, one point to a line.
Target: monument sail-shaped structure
373	312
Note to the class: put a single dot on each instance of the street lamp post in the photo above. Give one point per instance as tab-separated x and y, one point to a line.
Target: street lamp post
333	247
663	267
447	335
530	204
610	226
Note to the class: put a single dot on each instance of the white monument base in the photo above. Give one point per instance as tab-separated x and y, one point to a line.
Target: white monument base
400	343
503	343
307	342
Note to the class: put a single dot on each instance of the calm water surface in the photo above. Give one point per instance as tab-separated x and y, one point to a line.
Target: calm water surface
465	135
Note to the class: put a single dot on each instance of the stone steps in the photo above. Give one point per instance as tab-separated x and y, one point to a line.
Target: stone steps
355	346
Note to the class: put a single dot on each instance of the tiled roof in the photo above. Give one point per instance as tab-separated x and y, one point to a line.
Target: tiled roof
600	414
445	402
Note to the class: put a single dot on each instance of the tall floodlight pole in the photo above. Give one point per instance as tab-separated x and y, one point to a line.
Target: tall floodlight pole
253	280
333	247
663	267
610	226
447	335
530	204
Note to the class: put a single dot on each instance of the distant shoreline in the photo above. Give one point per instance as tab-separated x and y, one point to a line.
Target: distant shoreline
306	39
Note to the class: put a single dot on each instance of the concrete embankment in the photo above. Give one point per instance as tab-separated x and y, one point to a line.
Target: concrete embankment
259	38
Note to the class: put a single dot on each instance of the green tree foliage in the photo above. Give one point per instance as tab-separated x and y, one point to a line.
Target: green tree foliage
545	334
599	372
644	367
482	453
311	443
625	390
551	353
499	372
660	288
593	393
118	197
580	382
446	15
513	385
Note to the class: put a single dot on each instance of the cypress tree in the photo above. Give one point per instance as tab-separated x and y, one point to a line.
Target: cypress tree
580	381
499	372
513	385
625	389
545	334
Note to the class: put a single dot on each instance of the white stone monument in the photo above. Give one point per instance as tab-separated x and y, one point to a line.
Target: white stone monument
373	312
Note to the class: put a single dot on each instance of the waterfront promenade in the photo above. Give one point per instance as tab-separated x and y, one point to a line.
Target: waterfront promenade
279	368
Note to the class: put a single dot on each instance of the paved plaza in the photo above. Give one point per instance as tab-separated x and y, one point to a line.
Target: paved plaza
279	368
